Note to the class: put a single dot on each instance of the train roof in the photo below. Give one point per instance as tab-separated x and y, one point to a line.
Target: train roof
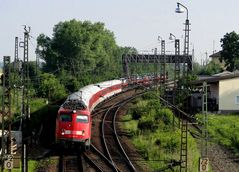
84	94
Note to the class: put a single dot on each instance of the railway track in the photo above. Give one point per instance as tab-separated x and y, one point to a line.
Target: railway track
70	161
108	142
97	158
111	141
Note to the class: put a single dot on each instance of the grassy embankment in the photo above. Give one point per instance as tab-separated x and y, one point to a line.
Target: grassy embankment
224	130
150	126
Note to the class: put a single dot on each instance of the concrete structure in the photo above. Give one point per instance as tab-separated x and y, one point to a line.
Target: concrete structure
223	92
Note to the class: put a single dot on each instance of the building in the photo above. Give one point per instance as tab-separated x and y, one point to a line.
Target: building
217	58
223	92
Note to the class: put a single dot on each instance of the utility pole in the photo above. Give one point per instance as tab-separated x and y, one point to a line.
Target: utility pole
163	69
16	59
204	161
16	68
176	75
155	64
6	113
25	100
37	63
184	145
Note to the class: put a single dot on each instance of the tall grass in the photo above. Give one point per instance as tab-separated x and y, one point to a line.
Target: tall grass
224	129
151	128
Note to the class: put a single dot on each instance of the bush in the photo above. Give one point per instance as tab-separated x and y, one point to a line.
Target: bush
166	115
147	123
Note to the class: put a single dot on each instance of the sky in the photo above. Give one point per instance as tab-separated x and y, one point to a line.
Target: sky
135	23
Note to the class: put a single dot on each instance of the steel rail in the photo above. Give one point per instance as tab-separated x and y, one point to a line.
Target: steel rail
103	134
87	158
118	105
117	137
104	157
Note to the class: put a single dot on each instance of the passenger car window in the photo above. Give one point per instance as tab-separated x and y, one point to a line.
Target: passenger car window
82	118
66	117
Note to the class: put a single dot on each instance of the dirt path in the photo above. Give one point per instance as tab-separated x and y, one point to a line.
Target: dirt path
222	159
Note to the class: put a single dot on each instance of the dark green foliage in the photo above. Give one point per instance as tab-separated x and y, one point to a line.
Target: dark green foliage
147	122
70	82
164	114
230	50
137	112
50	87
85	51
151	114
170	146
210	69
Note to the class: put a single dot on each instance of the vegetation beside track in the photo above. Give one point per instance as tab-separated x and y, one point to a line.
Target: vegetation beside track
223	130
150	126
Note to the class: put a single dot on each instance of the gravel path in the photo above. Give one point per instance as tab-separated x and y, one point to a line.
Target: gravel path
222	159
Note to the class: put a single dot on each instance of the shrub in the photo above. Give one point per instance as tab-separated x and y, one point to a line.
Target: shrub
166	115
147	123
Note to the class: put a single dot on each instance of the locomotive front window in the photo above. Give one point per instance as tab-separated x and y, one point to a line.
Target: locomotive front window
82	118
66	117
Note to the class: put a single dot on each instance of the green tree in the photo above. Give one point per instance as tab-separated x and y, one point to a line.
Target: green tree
230	50
69	81
50	87
86	50
210	69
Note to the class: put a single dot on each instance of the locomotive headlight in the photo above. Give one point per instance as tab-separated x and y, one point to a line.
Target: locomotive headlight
81	133
74	111
62	132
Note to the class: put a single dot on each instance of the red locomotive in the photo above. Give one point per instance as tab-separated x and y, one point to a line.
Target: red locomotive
73	122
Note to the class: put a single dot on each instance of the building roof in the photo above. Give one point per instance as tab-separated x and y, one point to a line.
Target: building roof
216	78
217	54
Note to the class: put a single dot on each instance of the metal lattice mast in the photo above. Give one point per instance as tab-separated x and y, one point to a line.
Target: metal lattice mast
16	59
6	105
176	73
186	47
25	101
37	52
184	125
162	68
205	122
155	63
204	161
15	67
184	145
184	122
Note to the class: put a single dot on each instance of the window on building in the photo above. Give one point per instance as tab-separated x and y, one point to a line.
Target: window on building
237	99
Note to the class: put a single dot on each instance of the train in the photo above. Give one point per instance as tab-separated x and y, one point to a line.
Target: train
73	121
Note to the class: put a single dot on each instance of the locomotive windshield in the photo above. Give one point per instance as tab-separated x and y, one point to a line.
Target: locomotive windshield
82	118
66	117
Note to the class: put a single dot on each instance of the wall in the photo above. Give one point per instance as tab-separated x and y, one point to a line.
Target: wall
214	91
228	90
